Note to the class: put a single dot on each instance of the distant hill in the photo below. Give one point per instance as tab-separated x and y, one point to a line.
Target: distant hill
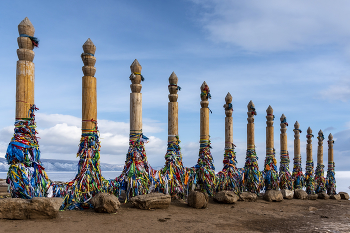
51	165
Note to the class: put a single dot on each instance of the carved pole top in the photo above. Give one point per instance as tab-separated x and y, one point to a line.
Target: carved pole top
296	125
309	135
228	106
26	27
320	135
228	98
330	136
135	67
270	117
309	130
284	123
89	47
269	110
205	92
173	79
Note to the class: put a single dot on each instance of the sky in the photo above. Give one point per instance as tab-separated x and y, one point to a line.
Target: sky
292	55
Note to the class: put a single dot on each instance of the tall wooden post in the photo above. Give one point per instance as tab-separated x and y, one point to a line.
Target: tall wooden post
25	69
310	182
205	170
270	169
26	176
136	177
251	177
135	100
173	171
319	173
229	176
331	182
284	174
297	175
89	97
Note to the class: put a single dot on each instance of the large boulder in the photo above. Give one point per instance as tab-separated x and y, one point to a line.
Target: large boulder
227	197
335	196
36	208
105	203
287	194
247	196
300	194
273	195
151	201
344	195
198	200
312	196
323	195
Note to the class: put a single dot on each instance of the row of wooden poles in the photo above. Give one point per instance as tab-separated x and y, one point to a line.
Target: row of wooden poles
25	99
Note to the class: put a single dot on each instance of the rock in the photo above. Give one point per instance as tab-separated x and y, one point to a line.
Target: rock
105	203
151	201
323	195
247	196
36	208
273	195
300	194
335	196
198	200
344	195
287	194
3	186
43	207
227	197
312	196
311	208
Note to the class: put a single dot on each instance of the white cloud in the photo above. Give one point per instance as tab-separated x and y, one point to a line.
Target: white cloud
340	90
274	25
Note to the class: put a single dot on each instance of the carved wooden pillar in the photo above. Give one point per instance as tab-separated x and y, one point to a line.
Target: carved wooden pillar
173	171
89	98
135	100
285	177
271	175
251	178
205	170
331	182
319	173
228	178
297	175
310	182
25	69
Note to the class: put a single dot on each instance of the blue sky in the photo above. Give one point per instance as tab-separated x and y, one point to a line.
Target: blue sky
292	55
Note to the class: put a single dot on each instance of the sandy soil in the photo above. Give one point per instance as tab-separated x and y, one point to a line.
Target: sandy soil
261	216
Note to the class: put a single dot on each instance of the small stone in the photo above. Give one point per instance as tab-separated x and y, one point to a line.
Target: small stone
323	195
198	200
300	194
227	197
335	196
344	195
247	196
151	201
105	203
311	208
312	196
273	195
287	194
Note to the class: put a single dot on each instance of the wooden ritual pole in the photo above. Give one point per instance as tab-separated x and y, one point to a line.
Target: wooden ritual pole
89	97
251	178
309	179
228	178
297	175
270	169
331	182
205	170
25	70
173	171
89	181
285	177
136	177
319	173
26	176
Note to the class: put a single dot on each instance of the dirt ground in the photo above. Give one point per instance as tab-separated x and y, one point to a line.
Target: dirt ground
261	216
